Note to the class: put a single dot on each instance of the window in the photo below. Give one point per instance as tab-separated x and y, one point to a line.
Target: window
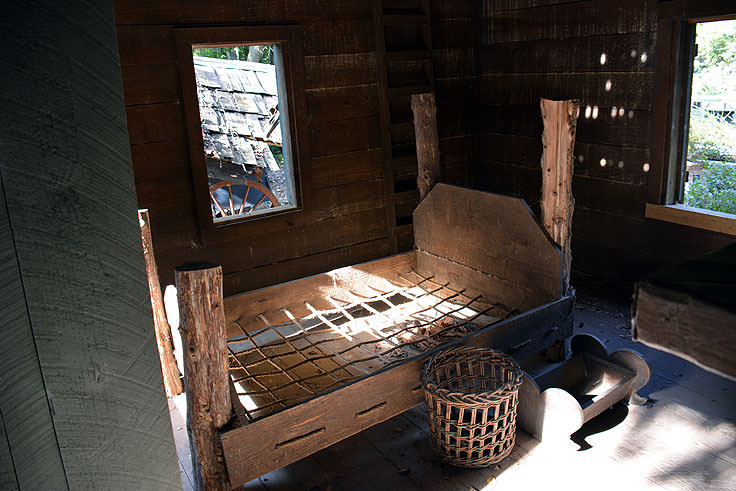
693	178
236	84
710	160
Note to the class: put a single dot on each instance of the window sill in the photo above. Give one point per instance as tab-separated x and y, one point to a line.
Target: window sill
715	221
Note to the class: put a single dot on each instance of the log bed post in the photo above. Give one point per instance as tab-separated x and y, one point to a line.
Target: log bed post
169	370
202	324
558	203
429	168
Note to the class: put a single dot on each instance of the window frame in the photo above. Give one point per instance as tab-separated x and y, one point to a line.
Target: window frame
290	72
673	80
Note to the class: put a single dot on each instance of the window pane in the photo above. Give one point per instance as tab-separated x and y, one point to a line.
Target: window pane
711	150
240	102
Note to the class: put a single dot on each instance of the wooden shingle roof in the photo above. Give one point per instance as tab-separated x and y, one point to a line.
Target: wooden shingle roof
238	107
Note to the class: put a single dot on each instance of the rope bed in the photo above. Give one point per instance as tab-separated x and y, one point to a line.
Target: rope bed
317	359
274	366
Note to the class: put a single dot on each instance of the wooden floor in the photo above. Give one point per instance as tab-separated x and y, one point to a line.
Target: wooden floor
684	438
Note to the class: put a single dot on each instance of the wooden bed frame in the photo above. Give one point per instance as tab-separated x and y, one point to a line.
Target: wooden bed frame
316	360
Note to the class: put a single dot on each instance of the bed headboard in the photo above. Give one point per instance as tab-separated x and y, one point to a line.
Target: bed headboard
489	242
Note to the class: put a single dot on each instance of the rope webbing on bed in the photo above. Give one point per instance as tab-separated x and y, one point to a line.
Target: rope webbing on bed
276	365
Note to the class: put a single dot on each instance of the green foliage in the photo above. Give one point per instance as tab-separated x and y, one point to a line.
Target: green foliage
715	189
226	53
237	53
710	138
267	55
720	51
278	154
714	67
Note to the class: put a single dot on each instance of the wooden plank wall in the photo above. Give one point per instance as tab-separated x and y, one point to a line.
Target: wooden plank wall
490	63
347	172
602	53
454	41
347	222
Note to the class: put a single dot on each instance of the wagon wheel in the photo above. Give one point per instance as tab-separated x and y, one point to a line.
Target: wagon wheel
267	196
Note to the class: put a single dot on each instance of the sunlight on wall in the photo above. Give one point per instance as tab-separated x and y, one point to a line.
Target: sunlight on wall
171	307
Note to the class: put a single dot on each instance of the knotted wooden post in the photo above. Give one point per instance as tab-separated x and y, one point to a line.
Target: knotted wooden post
428	143
202	324
169	370
558	203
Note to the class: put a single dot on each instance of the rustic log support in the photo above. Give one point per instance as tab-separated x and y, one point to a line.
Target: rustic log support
558	203
428	143
169	370
202	324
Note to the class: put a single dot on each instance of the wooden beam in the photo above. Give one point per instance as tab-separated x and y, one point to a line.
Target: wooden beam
202	323
169	370
558	203
715	221
427	141
680	324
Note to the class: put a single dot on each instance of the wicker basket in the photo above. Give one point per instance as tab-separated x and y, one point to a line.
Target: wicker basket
471	396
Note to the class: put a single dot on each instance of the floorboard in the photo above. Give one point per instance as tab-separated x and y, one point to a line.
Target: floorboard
683	438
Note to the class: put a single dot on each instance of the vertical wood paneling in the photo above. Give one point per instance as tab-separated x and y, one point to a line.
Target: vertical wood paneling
340	92
602	53
95	394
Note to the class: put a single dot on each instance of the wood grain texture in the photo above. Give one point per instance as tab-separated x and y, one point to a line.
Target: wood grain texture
644	451
716	221
32	456
305	266
558	203
337	233
339	70
269	302
631	90
533	48
8	479
79	253
162	12
427	142
572	54
335	88
301	430
631	130
684	326
206	377
169	370
492	234
564	20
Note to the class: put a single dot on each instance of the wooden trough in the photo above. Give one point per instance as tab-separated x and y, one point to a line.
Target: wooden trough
556	399
316	360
